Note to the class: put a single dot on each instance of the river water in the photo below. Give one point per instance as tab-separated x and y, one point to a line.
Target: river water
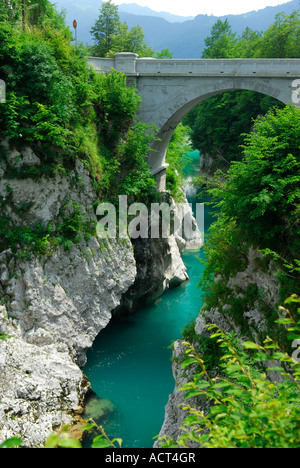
129	365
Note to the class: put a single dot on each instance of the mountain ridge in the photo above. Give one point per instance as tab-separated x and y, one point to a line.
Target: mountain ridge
184	39
136	9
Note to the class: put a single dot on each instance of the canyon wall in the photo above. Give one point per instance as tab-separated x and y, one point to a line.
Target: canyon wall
54	303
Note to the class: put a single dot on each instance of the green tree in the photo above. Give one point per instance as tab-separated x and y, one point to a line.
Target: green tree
106	28
247	43
262	190
282	38
41	12
112	36
63	110
258	205
221	43
217	124
32	13
131	40
164	54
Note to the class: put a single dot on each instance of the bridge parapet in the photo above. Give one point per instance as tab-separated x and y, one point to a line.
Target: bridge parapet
132	65
124	62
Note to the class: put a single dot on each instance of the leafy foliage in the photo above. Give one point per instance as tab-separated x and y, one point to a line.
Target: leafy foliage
257	206
107	26
218	124
178	149
13	442
221	42
42	73
30	12
54	99
111	36
10	10
71	226
262	192
280	40
248	410
64	439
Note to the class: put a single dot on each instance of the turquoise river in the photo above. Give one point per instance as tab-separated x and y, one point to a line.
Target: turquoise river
130	361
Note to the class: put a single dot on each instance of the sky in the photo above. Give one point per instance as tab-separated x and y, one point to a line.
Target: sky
197	7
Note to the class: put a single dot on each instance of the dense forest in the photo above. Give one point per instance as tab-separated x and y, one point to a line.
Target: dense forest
60	107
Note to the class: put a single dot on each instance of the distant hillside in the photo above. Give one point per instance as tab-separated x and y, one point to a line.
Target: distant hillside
185	39
135	9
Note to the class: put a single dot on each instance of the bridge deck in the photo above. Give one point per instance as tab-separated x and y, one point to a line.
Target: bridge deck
131	65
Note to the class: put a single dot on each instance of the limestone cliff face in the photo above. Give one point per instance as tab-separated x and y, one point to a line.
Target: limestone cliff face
65	296
159	262
41	388
52	306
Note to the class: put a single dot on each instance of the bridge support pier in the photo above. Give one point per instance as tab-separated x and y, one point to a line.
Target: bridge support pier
161	177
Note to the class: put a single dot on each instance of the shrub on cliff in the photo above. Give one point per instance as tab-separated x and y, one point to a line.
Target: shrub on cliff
258	205
57	104
248	409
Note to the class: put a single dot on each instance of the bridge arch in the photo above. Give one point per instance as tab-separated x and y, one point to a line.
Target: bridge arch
178	109
171	88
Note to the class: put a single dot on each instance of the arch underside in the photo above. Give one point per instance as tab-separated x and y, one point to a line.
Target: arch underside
167	103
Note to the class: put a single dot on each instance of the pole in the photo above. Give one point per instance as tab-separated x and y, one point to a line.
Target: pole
75	27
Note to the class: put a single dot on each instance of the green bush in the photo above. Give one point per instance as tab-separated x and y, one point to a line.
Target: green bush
178	149
116	106
58	104
68	229
42	103
262	191
257	205
248	410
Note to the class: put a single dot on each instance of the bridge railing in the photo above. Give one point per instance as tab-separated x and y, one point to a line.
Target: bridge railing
131	65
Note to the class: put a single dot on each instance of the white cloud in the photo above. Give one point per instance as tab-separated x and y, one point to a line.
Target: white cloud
196	7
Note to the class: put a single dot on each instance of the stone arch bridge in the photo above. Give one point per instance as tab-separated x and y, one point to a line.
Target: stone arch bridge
171	88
